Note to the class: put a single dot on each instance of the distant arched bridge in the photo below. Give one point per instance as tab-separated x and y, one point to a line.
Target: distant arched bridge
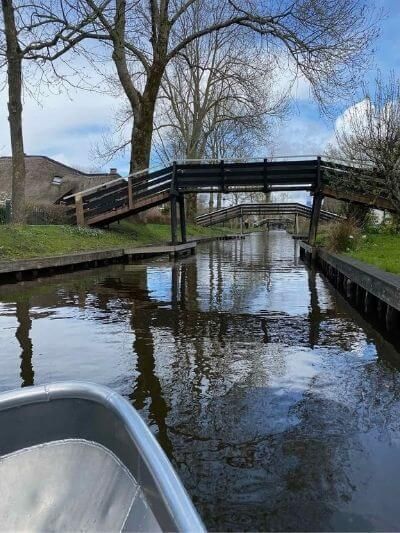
264	210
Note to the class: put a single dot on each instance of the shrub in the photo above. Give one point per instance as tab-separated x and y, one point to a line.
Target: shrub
343	236
37	214
390	225
5	209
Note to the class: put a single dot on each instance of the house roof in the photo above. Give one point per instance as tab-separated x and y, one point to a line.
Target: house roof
40	184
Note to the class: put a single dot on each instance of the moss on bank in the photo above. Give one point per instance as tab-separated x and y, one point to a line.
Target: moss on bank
22	242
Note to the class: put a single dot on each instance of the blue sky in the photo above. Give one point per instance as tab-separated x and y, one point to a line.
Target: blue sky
67	126
307	131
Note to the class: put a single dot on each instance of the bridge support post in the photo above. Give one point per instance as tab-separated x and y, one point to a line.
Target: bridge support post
316	210
182	217
173	199
174	221
316	207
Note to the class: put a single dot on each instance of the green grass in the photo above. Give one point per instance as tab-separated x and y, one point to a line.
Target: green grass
381	250
22	242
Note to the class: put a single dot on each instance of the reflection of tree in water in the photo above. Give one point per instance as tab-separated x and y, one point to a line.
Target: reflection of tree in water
147	385
22	334
266	458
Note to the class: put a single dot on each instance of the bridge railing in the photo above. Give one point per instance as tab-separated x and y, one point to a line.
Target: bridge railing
354	178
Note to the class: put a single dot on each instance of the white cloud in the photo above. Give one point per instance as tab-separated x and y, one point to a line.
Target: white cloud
343	121
302	136
62	126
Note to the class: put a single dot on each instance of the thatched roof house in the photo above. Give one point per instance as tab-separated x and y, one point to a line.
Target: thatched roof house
48	181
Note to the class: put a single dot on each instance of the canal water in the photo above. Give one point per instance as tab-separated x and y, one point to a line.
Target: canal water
275	401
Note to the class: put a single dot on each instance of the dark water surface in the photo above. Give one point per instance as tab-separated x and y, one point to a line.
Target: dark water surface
271	396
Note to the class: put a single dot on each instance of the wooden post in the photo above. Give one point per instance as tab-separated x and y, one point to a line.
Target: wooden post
392	319
369	303
222	172
381	308
296	224
316	207
265	176
174	221
174	214
130	195
182	217
79	213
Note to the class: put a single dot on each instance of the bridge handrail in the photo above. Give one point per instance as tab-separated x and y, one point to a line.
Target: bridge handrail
95	188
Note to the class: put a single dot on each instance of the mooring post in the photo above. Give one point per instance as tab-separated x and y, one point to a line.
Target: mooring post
182	217
174	214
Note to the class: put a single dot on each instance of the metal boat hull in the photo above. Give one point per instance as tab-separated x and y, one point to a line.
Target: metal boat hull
76	456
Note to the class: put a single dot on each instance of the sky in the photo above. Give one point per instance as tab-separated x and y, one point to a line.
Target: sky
66	127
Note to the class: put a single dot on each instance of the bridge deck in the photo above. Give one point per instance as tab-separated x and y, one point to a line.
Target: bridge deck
146	189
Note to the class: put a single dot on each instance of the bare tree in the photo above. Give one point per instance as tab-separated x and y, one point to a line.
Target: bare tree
369	137
39	30
14	62
324	41
215	100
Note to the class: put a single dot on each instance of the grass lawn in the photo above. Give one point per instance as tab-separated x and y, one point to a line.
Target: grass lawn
21	242
380	250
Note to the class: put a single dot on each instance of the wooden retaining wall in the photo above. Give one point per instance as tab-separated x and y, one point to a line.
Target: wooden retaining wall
28	269
375	292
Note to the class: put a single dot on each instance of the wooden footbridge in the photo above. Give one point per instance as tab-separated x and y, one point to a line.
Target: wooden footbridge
151	187
264	210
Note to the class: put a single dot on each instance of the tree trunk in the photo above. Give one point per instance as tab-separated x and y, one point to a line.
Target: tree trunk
14	73
142	133
191	207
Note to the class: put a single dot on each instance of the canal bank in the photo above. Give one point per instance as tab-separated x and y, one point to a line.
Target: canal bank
271	395
27	269
374	291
